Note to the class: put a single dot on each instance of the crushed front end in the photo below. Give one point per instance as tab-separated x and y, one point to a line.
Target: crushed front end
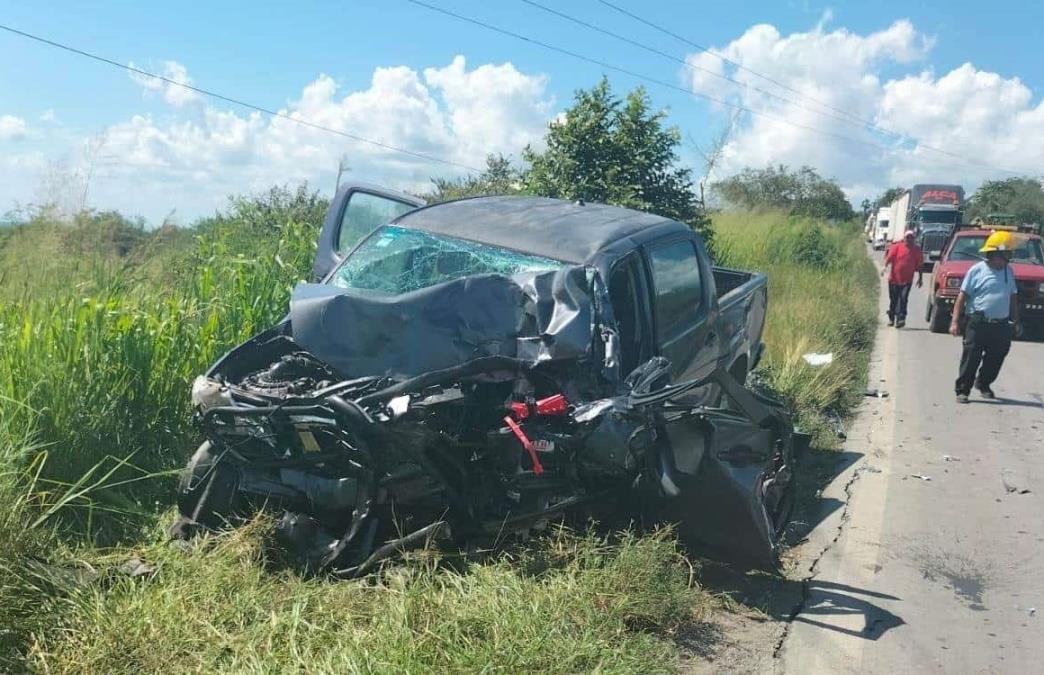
468	411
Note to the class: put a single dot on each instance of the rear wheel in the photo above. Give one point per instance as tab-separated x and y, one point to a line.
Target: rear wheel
938	317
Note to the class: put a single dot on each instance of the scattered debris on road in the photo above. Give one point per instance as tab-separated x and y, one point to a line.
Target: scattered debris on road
1012	484
951	458
921	476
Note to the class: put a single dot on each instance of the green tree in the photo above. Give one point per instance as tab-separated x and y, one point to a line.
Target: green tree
616	152
802	192
1022	197
499	178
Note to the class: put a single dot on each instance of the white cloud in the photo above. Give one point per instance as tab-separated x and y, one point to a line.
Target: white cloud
48	116
193	159
983	117
11	128
175	74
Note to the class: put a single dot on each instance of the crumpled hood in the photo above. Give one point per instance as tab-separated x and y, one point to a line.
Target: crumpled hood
535	317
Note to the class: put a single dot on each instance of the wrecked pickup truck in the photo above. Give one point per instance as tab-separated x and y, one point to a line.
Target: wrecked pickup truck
478	368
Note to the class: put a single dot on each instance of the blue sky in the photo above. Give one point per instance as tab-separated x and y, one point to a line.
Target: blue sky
268	53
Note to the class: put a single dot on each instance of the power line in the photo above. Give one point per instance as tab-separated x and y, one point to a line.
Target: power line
847	118
235	101
689	92
729	61
629	73
867	123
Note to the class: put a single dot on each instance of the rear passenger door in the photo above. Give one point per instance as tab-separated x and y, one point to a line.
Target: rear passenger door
682	302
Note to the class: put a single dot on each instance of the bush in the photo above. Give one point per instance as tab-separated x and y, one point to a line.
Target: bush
801	193
822	298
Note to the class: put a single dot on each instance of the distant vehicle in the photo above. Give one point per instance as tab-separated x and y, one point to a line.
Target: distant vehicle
1007	221
962	251
899	222
936	209
882	231
1002	220
931	211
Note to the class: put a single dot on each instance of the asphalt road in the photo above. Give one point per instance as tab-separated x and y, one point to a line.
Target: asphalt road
935	560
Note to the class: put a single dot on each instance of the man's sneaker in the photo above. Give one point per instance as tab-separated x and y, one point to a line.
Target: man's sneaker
962	398
900	323
985	392
891	322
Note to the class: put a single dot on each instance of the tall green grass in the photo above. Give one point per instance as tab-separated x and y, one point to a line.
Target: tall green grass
103	367
581	606
822	298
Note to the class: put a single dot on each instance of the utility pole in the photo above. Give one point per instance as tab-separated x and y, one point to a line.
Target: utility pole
342	168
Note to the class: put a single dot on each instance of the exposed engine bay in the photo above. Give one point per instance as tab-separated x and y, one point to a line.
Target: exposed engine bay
466	412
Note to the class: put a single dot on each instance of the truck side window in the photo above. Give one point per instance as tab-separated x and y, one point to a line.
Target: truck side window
678	289
623	294
363	214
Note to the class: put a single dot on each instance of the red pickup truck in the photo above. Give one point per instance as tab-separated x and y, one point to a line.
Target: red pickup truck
961	252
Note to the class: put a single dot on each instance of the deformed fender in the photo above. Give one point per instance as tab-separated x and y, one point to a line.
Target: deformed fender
733	477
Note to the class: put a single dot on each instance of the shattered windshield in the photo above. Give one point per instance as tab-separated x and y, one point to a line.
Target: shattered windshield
967	248
398	260
1029	251
931	217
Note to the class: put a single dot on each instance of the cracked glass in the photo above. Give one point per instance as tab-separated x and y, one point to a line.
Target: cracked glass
396	260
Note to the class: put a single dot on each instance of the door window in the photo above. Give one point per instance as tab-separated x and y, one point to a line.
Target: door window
364	213
624	294
678	289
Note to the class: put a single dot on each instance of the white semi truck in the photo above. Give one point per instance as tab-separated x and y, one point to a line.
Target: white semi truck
900	221
882	228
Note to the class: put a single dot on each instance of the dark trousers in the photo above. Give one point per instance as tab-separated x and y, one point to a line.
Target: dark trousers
898	296
986	344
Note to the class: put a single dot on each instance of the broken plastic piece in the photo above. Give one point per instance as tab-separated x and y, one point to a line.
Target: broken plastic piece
527	444
520	410
552	405
816	360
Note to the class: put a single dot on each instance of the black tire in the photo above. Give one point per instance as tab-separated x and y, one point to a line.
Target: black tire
940	320
207	491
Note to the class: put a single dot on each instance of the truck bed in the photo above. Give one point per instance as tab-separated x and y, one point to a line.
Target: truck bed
742	301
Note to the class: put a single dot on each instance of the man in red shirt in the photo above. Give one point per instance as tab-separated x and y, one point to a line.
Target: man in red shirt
905	257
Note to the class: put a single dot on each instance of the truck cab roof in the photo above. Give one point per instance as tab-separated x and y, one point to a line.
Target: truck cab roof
553	228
